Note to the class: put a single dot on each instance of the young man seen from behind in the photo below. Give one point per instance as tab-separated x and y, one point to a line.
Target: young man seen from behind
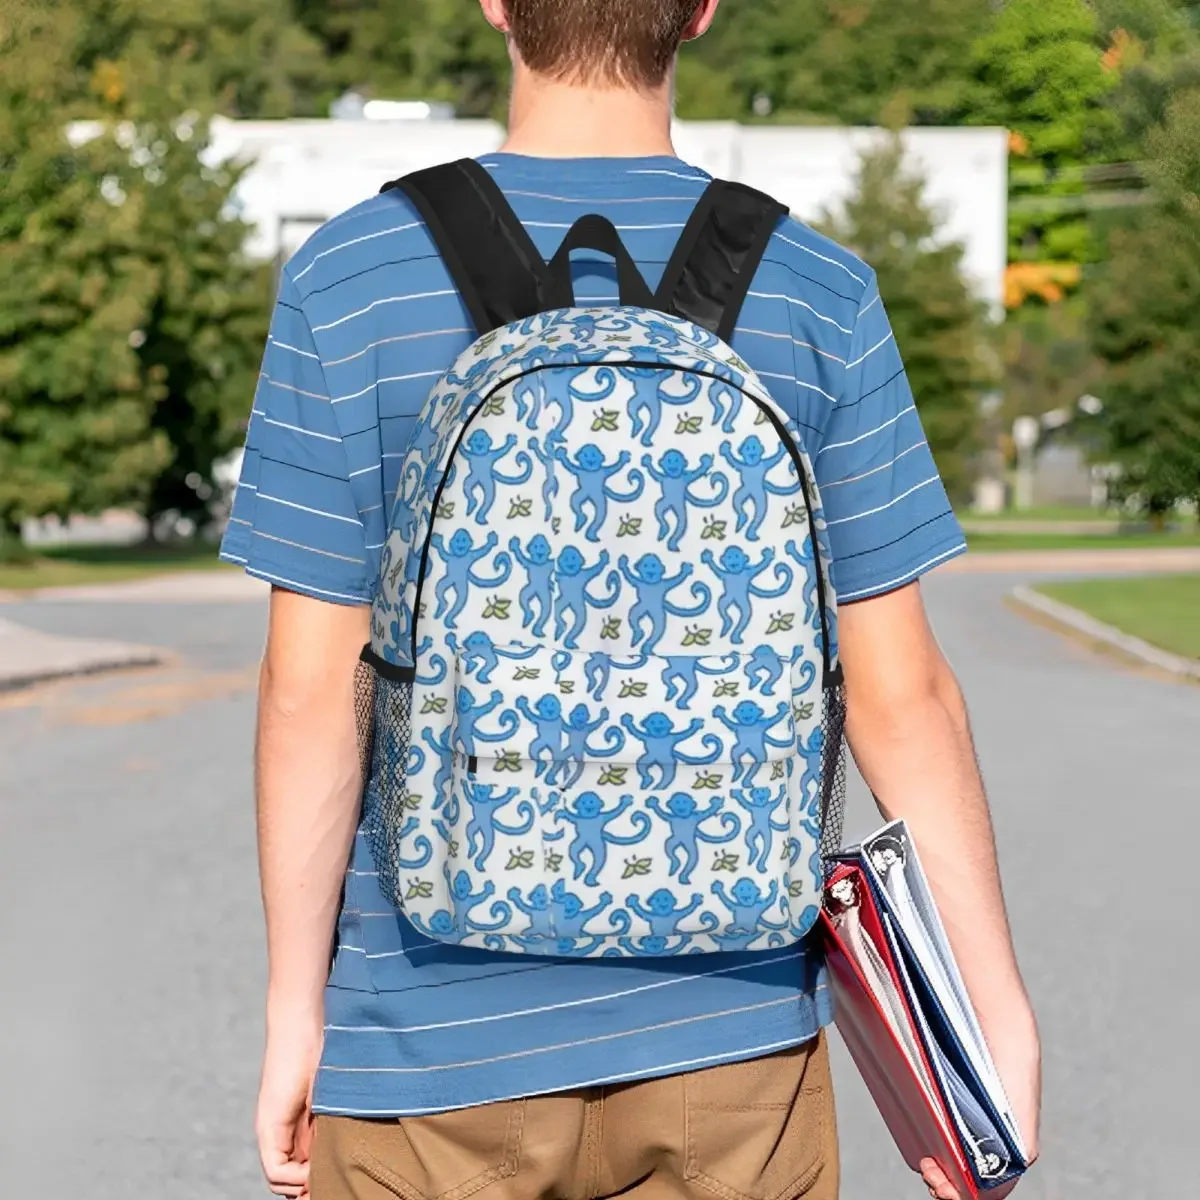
421	1068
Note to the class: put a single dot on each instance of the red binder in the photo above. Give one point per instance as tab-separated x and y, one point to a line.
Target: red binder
914	1111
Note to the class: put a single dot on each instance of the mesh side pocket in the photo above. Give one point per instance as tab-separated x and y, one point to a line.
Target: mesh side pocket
833	771
384	710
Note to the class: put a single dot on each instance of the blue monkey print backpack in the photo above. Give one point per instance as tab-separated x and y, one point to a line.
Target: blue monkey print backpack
601	708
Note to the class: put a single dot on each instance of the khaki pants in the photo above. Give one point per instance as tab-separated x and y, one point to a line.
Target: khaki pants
759	1130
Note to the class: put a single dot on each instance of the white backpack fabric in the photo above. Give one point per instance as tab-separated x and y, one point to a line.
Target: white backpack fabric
601	706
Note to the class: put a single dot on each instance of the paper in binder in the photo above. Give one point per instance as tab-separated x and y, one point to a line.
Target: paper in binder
905	1015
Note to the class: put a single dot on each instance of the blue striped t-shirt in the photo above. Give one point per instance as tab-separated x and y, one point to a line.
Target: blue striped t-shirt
367	319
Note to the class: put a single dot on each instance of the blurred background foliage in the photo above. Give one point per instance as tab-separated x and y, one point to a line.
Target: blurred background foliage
131	322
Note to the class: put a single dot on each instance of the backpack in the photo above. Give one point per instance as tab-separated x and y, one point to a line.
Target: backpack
601	711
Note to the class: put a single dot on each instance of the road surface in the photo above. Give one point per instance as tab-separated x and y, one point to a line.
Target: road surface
132	951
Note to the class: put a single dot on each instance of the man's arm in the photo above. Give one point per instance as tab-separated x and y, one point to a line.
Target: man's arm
308	791
907	725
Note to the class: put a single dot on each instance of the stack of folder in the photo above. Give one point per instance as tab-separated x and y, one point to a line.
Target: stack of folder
908	1022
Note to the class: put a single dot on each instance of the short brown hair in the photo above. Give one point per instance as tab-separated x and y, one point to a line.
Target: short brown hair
631	42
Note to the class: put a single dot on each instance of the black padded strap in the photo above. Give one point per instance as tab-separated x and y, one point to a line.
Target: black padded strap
491	258
714	263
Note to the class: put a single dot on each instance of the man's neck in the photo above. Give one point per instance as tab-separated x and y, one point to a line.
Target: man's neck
549	119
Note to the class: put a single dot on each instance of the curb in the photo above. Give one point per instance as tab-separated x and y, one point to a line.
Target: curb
28	657
1080	622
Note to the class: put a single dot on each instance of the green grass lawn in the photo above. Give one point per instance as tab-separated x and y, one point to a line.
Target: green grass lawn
66	566
1163	610
1080	541
1047	513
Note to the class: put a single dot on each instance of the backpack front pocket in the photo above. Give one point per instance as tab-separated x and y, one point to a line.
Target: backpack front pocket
633	801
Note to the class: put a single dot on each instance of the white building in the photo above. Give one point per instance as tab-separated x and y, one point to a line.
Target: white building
305	172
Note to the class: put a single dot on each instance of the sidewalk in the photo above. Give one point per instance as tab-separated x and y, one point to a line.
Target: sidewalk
28	656
1130	561
177	587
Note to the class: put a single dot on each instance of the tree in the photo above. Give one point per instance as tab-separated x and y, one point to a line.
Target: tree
1146	325
130	322
75	400
941	328
1039	71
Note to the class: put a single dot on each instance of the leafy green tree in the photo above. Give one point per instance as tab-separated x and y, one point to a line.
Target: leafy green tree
941	328
1146	325
1039	71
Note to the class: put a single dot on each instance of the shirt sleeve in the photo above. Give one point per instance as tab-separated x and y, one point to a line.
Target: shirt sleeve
294	521
888	516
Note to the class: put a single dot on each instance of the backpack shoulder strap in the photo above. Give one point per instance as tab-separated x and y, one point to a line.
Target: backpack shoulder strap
714	263
490	256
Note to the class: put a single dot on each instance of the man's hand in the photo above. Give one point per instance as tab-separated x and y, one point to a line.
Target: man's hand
907	725
283	1122
309	787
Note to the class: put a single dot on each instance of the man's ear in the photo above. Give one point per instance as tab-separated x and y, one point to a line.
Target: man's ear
496	13
698	26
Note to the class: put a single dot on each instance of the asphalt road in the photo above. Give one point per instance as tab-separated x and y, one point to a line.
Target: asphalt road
131	951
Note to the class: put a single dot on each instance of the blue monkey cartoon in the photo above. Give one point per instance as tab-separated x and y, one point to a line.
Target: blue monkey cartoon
685	818
804	556
752	729
649	577
453	926
591	821
467	715
747	905
579	727
814	758
737	574
679	676
752	465
485	824
570	917
760	803
480	647
675	480
572	578
537	909
652	947
421	844
661	913
539	590
645	406
719	390
660	740
480	484
546	717
460	557
592	475
547	457
767	662
444	752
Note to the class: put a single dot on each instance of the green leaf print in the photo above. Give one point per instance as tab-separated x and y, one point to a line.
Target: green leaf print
727	687
696	636
629	527
611	629
452	849
795	889
795	515
510	760
445	510
713	531
556	524
688	425
566	686
605	421
778	769
434	704
804	711
411	802
494	407
614	775
419	889
706	781
629	688
519	507
781	622
762	417
524	673
725	862
497	609
553	862
519	860
636	866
